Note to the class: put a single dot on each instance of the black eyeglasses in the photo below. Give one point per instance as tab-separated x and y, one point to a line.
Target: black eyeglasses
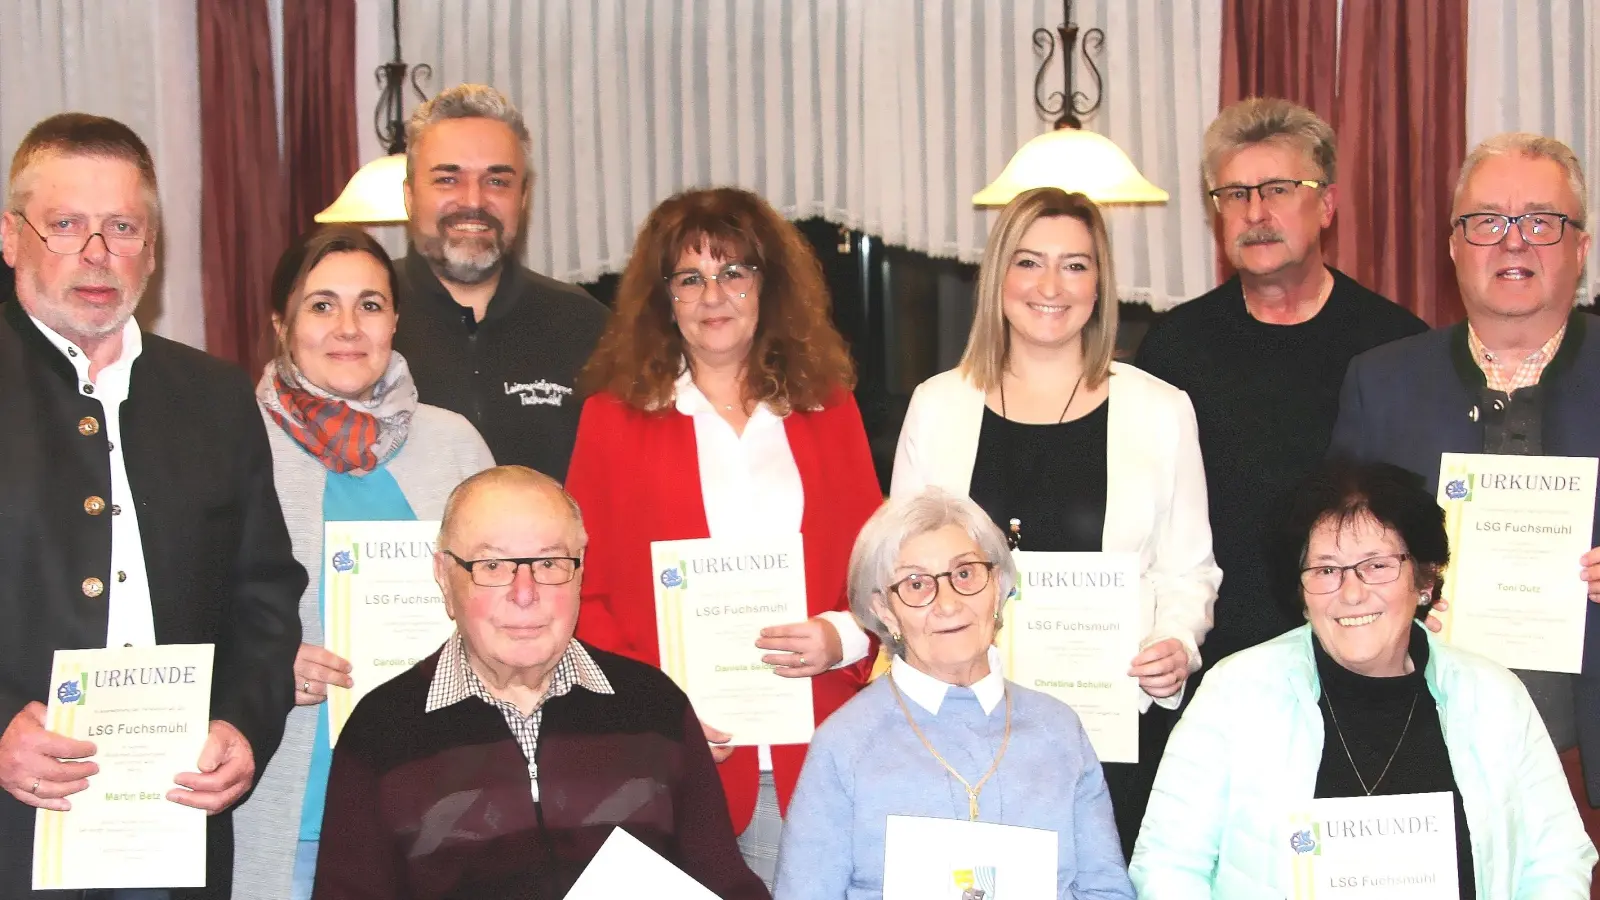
1273	193
919	589
551	571
1537	228
1373	570
71	240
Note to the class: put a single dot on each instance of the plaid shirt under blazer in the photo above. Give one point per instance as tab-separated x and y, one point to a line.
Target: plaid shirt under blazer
220	565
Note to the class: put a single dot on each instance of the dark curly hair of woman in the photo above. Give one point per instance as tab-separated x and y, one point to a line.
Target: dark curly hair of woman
797	360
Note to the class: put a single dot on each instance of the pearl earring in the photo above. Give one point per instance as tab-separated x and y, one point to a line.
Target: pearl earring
741	296
1423	599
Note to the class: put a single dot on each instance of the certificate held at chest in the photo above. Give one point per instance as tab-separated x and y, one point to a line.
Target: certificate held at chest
1517	527
713	597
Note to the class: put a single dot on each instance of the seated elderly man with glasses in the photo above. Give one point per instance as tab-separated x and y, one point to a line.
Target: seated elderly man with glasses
499	765
1520	377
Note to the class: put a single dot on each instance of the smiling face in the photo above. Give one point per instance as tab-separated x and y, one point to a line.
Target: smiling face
525	626
719	327
86	296
1051	283
1364	627
950	637
465	197
341	328
1515	280
1262	238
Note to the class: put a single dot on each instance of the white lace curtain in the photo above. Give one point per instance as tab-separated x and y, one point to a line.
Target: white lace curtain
883	115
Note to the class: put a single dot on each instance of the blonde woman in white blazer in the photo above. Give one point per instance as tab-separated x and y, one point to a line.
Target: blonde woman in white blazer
1038	424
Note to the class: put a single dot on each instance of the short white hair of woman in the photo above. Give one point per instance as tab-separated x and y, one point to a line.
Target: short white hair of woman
877	551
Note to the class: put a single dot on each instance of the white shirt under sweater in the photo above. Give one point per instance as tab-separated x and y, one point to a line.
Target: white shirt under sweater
130	620
750	486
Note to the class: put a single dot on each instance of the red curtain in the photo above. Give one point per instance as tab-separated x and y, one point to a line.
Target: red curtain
319	104
1398	103
242	179
1402	125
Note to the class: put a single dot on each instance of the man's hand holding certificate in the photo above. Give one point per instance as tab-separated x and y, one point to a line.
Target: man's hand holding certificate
1518	526
143	715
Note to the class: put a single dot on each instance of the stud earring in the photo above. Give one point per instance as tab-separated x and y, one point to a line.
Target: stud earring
742	296
895	636
1423	599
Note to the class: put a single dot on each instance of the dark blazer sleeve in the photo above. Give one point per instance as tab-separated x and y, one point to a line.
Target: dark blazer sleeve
1350	428
253	686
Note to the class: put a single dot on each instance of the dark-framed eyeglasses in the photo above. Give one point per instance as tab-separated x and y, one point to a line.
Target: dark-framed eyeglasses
689	285
551	571
1537	228
74	237
1273	193
918	589
1372	570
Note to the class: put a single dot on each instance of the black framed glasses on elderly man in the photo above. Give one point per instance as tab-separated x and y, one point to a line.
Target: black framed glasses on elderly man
550	571
1372	570
918	590
1485	229
1273	193
70	236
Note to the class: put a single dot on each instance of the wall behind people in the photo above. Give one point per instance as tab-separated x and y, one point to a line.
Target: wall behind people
884	115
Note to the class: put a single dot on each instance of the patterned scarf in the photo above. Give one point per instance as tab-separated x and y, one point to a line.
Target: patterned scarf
346	435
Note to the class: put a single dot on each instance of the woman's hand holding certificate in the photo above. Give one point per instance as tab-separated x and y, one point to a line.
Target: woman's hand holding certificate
713	600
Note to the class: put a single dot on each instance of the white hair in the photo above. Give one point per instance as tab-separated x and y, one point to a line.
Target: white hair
1532	146
877	550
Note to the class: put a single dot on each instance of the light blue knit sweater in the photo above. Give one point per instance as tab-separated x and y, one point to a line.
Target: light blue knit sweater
865	764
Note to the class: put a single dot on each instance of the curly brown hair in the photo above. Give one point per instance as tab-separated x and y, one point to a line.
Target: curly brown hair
797	358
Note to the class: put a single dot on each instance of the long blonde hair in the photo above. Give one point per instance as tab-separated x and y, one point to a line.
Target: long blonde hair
989	343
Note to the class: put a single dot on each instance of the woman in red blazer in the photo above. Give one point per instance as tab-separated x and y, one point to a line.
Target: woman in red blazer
721	407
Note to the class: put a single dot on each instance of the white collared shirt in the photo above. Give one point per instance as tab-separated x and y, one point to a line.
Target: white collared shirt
750	485
130	620
928	692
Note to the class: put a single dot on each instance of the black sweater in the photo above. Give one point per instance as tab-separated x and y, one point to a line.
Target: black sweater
1265	398
513	374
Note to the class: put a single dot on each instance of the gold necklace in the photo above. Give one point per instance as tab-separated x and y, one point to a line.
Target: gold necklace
973	790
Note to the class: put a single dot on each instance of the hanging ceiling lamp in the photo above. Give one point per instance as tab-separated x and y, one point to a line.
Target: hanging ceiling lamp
376	193
1069	157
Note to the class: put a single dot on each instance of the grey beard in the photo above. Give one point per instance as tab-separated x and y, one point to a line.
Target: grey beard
459	265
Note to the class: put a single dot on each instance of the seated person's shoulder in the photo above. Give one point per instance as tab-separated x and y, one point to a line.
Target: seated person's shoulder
188	368
1472	679
388	711
852	727
1265	664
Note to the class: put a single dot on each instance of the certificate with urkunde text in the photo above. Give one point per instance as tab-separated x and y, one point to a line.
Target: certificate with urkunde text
1517	526
1072	632
1395	847
147	710
382	609
713	597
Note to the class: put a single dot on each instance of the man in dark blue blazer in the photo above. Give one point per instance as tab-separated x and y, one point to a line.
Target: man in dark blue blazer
1521	376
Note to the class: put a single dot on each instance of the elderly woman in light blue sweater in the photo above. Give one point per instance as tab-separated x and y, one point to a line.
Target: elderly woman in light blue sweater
943	734
349	442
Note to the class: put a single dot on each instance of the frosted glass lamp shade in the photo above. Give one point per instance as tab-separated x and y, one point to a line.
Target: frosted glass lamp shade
375	194
1074	160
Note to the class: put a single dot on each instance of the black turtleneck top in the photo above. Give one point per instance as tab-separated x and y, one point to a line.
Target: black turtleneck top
1372	716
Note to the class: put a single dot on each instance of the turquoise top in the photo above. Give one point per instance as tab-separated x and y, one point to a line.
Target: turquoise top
375	496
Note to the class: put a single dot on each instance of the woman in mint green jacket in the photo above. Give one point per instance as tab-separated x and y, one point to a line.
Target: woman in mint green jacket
1361	701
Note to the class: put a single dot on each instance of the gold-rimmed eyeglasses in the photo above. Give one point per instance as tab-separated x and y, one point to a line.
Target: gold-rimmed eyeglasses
689	285
71	236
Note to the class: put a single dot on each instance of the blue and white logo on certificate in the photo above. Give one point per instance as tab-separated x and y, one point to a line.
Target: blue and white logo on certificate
1303	842
343	561
70	692
1459	488
672	577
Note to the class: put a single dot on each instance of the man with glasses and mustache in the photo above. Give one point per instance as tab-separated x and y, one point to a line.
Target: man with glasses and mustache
1262	355
1521	376
486	337
136	496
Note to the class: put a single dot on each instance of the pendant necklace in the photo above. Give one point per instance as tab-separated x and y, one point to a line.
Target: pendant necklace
1340	732
1014	529
973	790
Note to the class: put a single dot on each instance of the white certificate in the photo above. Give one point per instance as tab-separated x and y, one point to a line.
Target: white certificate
951	859
625	867
147	710
1399	847
1517	526
713	597
382	611
1072	631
